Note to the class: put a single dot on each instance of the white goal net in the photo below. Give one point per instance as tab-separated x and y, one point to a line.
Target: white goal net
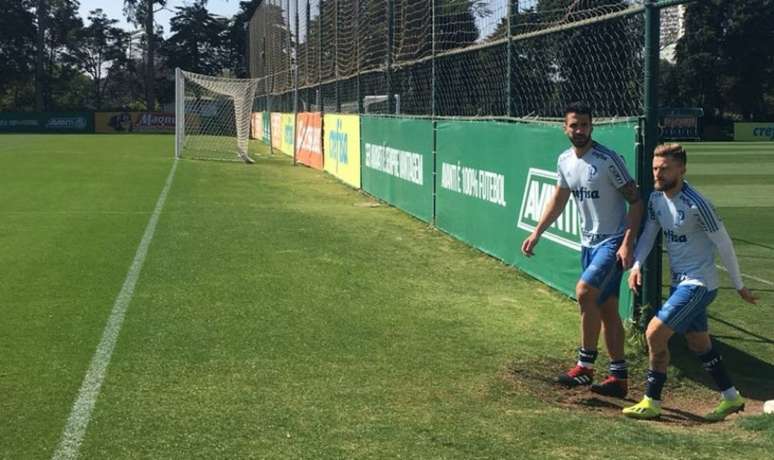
212	116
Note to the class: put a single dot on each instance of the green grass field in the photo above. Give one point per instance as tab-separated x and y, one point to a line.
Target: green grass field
281	314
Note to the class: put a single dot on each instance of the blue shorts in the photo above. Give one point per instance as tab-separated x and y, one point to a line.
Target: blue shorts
686	308
601	269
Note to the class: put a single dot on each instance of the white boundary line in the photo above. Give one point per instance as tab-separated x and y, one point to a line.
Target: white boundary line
745	275
80	415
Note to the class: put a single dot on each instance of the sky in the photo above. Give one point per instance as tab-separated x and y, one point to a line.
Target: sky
114	10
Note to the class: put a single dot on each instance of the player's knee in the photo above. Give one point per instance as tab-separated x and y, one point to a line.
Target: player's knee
656	342
698	344
585	293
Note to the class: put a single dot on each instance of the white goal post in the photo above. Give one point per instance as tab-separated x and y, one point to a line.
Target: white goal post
212	116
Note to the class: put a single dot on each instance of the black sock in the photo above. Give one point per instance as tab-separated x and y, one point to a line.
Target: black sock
587	356
713	364
618	369
655	384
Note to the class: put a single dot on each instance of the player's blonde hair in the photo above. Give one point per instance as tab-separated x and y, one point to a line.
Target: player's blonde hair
675	151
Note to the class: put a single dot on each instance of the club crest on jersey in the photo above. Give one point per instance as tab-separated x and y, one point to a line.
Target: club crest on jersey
674	237
591	172
680	216
585	194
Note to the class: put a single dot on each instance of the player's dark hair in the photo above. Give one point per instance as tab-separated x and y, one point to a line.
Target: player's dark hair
675	151
580	108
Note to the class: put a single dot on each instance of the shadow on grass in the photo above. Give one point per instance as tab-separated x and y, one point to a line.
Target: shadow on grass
669	413
536	377
752	376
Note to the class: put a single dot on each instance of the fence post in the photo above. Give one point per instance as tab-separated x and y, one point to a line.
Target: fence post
433	108
336	54
509	52
388	75
320	104
651	283
295	85
357	56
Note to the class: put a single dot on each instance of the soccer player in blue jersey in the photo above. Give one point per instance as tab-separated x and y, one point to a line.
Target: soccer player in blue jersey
597	179
692	231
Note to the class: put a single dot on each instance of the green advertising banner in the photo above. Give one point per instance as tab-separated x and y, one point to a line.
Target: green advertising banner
288	126
754	131
46	122
266	118
493	182
397	163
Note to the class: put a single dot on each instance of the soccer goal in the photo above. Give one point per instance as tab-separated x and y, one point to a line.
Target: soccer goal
212	116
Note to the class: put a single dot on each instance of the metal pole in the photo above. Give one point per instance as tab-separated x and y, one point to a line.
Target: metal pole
307	53
357	57
336	54
388	75
295	85
651	284
179	113
509	52
289	69
269	65
433	107
319	97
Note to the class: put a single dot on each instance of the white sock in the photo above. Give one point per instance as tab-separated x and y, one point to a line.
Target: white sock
729	394
586	365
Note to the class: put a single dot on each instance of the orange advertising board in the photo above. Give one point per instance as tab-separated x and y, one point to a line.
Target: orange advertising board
309	139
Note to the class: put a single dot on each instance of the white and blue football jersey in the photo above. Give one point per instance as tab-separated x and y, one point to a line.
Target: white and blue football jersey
594	180
688	222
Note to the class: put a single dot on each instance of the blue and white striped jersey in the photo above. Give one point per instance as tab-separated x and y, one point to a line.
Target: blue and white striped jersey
594	180
691	230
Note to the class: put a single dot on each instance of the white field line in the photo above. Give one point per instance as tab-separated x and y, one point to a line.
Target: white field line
80	415
745	275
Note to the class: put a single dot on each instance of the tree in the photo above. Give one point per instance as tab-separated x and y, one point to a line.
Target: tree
55	19
99	44
198	42
724	60
17	53
236	37
140	12
749	59
41	15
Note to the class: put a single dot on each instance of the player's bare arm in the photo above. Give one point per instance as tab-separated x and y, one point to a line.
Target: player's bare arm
553	210
631	194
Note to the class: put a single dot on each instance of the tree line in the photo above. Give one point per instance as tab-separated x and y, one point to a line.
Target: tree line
53	60
724	62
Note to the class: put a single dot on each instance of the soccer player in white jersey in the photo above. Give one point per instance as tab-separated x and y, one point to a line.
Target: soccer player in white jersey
598	181
691	231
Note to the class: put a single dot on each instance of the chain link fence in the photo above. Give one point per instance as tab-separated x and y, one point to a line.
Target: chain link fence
451	58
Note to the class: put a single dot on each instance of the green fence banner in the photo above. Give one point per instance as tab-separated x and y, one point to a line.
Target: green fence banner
397	164
46	122
266	118
760	132
493	181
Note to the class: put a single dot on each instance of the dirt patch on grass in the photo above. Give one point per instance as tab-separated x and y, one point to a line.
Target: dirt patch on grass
684	405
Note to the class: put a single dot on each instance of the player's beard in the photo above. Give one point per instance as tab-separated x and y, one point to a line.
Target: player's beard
665	186
580	141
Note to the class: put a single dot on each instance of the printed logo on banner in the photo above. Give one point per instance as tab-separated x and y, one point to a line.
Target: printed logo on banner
338	139
66	123
477	183
288	132
537	193
398	163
